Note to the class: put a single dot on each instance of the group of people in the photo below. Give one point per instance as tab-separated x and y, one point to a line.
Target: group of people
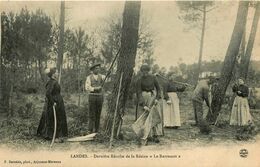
54	102
162	109
158	101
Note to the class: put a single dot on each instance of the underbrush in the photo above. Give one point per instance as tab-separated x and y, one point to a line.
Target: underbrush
18	128
246	132
77	119
27	112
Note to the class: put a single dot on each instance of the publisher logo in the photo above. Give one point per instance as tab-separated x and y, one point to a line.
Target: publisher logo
243	153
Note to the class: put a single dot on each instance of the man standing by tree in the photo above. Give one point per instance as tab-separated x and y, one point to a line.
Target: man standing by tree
200	94
94	86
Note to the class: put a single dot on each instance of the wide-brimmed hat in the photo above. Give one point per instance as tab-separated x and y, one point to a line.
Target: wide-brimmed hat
94	66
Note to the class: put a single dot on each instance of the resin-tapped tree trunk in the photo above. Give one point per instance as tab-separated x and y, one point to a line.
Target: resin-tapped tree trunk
125	64
229	62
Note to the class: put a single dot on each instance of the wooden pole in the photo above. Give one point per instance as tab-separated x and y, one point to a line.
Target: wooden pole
115	113
174	81
111	67
119	127
136	109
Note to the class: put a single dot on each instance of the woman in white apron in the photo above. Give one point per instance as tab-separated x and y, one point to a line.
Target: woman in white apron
240	114
171	110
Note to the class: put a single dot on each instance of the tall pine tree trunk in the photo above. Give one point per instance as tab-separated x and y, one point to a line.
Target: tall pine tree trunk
61	39
230	58
125	64
246	59
241	55
202	41
1	68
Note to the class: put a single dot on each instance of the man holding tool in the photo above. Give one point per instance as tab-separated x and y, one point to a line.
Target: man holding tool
93	85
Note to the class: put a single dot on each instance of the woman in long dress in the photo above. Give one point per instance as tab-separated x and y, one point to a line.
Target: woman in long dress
53	99
147	126
171	110
240	114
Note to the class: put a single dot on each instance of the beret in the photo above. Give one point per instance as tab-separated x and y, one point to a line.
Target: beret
95	65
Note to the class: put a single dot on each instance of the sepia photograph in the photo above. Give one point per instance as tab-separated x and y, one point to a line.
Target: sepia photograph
129	83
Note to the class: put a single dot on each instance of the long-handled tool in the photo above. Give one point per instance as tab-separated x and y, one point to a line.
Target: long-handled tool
162	118
55	126
174	81
115	113
136	109
110	68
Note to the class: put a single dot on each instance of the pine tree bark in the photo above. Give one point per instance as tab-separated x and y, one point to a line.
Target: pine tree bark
230	58
241	55
246	59
125	63
1	67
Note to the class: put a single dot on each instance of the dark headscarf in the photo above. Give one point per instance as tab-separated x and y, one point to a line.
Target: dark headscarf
51	72
145	67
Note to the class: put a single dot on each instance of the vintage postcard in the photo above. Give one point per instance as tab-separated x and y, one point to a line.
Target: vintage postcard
129	83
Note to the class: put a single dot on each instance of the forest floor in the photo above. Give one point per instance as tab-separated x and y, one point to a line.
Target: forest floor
18	132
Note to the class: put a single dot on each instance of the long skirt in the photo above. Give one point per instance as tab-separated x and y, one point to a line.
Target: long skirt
171	111
46	125
149	123
240	114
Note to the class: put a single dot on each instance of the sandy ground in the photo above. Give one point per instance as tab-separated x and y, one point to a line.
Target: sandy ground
14	134
185	146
